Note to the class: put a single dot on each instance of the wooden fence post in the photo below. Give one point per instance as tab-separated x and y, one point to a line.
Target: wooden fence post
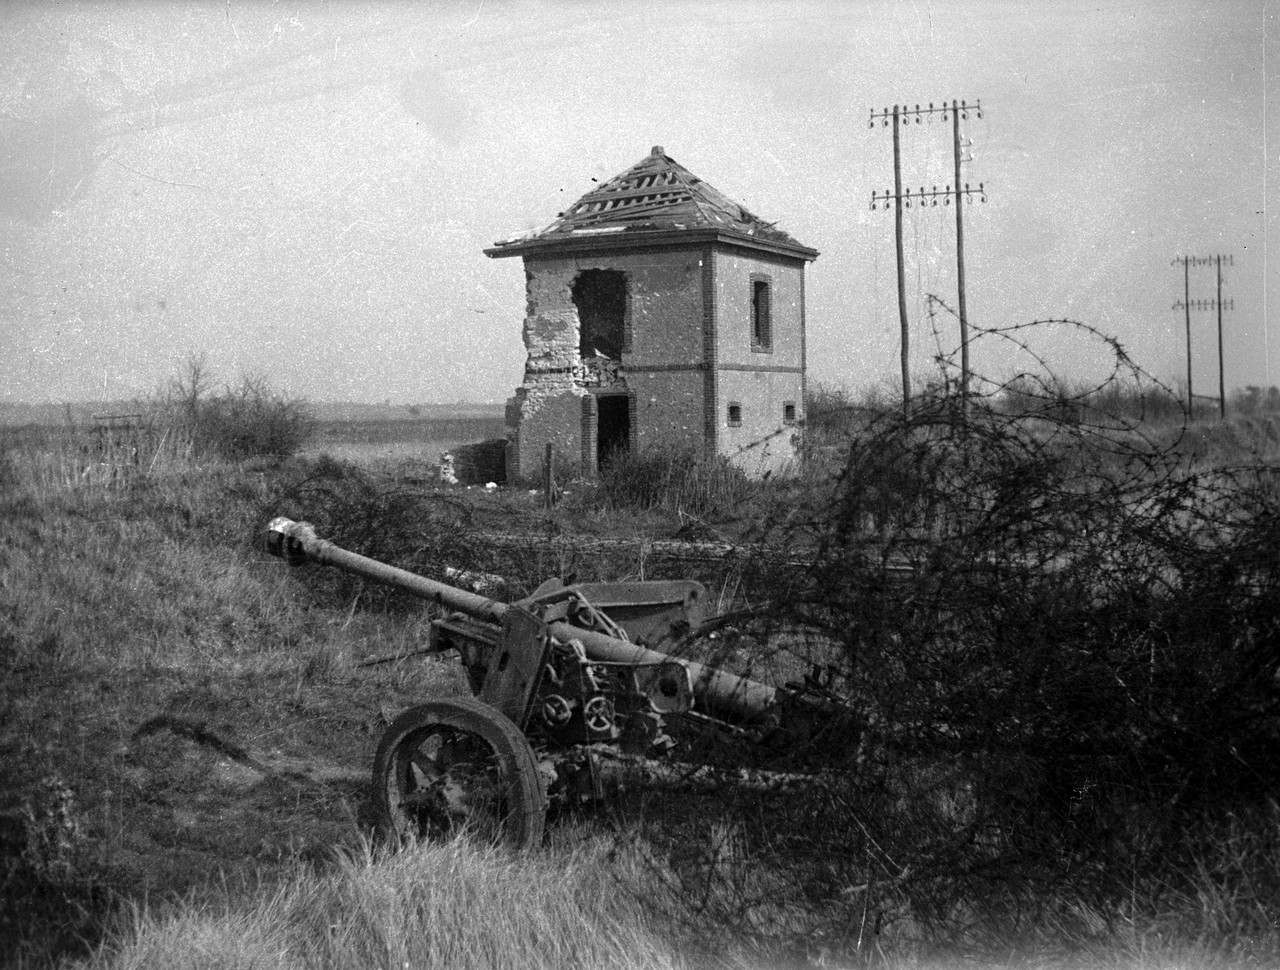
549	478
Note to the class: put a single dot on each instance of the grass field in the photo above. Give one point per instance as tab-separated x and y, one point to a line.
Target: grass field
188	733
188	727
402	439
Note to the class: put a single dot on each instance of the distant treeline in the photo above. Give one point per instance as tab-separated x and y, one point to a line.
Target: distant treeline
87	412
354	411
463	428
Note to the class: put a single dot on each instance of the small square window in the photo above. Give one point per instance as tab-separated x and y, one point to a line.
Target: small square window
788	412
735	414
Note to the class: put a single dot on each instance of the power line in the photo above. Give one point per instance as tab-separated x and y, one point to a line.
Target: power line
1186	304
899	116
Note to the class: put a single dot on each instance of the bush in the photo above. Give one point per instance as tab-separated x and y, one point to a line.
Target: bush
425	531
680	480
244	421
1057	629
1254	399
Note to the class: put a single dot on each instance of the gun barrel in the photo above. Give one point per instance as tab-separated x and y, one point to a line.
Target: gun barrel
715	691
297	542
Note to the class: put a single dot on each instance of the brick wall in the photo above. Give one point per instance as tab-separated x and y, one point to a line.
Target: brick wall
664	347
687	354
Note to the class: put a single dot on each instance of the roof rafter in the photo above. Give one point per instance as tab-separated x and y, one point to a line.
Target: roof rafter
657	194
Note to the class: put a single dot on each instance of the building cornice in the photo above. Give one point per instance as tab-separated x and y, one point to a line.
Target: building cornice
593	243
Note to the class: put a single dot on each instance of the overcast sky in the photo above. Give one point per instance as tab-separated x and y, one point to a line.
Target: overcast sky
302	191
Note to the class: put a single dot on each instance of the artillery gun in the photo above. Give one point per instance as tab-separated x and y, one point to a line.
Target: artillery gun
560	678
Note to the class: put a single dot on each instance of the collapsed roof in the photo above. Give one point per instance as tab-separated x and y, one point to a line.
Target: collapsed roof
660	198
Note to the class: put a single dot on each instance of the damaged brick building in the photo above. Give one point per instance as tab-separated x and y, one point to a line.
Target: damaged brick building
659	313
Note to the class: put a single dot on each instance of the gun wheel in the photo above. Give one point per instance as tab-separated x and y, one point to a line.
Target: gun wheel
458	767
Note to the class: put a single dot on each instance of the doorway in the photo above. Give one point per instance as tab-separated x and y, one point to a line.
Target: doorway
613	427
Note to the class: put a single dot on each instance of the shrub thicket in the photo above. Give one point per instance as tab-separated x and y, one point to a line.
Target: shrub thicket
679	480
1060	634
1254	399
247	420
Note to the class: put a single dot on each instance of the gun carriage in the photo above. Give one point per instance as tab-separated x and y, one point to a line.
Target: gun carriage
559	678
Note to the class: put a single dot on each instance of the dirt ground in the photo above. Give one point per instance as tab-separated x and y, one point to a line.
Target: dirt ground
130	788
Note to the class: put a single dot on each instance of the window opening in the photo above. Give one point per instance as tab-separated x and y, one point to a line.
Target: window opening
788	412
760	312
735	414
601	298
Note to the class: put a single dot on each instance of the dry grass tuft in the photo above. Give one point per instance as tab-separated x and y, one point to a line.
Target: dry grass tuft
456	906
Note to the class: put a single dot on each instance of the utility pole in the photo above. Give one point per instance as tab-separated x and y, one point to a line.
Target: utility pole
897	235
1222	381
1187	304
964	320
900	115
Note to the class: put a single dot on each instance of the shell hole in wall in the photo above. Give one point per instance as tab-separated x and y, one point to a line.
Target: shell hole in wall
601	298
